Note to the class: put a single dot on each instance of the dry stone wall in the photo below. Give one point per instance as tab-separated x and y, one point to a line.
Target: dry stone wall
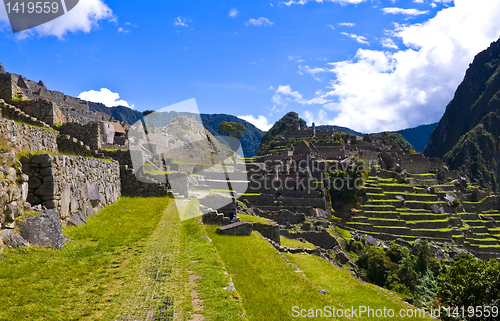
44	110
27	138
76	186
90	133
13	190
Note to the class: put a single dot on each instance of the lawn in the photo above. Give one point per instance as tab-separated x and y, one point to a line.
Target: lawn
81	280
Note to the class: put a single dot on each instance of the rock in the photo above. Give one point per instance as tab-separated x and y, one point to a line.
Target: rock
323	291
487	218
436	209
306	226
371	241
230	287
6	236
238	228
94	194
342	258
12	175
401	198
449	199
18	241
38	159
47	188
404	243
32	199
12	211
78	219
44	230
214	218
439	255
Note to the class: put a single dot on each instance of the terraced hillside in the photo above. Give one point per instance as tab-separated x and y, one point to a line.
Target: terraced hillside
403	210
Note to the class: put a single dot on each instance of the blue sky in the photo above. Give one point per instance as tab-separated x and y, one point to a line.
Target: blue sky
367	65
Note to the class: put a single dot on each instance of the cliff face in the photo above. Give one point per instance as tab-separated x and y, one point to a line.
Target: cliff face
467	137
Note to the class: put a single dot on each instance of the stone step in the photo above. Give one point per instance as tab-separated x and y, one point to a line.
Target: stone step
381	221
393	202
479	229
479	236
422	216
375	190
478	223
378	208
396	188
428	224
468	216
377	196
413	197
382	214
490	241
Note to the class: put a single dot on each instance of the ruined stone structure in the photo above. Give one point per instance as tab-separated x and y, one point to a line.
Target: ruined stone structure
27	138
72	184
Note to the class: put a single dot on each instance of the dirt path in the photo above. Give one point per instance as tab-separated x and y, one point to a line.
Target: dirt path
148	296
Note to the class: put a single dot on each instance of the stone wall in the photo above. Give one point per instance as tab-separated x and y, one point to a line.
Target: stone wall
281	217
319	238
90	133
10	112
270	231
23	137
13	190
76	186
122	156
146	187
73	146
44	110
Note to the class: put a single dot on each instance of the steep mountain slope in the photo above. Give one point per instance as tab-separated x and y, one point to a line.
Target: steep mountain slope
390	138
470	103
120	113
283	127
418	136
250	140
468	135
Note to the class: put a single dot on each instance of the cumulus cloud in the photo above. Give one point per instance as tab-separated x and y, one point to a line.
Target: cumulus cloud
104	96
388	43
261	22
407	12
85	16
260	122
386	90
233	13
346	24
182	22
359	39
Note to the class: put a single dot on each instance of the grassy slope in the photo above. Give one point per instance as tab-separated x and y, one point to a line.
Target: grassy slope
80	280
111	268
270	287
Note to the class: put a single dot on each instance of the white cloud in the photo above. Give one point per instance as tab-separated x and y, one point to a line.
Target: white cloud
121	30
407	12
104	96
388	43
260	122
331	26
233	13
302	2
418	1
359	39
182	22
433	5
85	16
383	90
261	22
346	24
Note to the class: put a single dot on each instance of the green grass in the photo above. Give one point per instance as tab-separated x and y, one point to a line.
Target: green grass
294	243
269	287
253	219
200	256
344	234
80	280
345	288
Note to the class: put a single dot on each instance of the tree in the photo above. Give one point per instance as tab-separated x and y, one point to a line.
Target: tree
232	129
147	112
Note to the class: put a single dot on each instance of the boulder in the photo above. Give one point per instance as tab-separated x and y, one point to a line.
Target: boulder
44	230
38	159
342	258
78	219
238	228
18	241
449	199
306	226
436	209
371	241
404	243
